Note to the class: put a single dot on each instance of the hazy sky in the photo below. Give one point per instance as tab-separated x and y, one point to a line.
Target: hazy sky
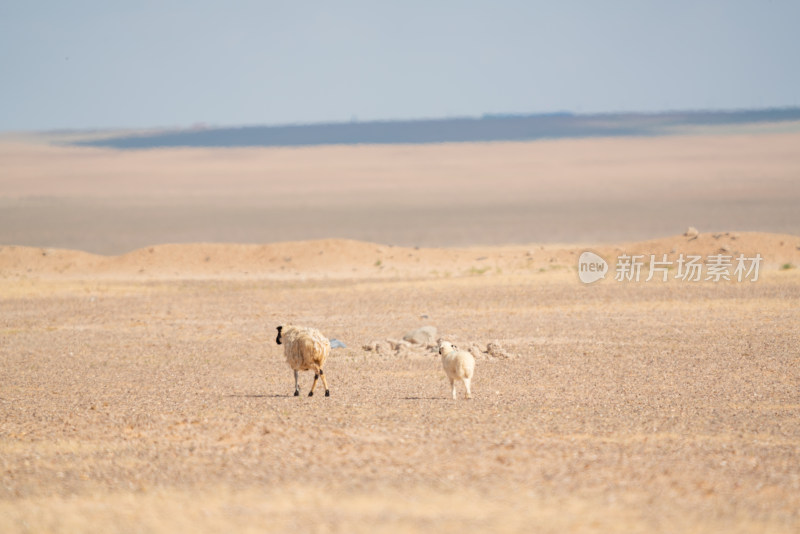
98	64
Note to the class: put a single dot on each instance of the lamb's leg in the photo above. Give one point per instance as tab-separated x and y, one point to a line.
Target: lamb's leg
296	385
453	385
314	384
324	383
466	385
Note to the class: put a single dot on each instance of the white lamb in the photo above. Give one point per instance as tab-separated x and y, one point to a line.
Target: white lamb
306	350
458	365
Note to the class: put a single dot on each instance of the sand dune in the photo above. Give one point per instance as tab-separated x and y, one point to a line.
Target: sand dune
348	259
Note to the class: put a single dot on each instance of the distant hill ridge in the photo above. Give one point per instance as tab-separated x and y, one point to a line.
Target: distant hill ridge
490	127
351	259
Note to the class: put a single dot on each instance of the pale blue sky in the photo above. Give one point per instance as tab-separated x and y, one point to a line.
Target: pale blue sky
107	64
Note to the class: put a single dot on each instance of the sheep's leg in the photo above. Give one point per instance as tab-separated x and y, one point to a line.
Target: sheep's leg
466	385
296	385
314	384
453	385
324	383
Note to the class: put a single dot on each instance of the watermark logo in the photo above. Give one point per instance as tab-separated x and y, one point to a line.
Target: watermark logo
687	268
591	267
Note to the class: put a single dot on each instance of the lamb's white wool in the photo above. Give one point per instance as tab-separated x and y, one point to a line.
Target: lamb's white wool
458	365
306	350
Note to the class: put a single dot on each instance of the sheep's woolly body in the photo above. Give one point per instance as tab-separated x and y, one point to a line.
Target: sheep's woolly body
459	365
306	349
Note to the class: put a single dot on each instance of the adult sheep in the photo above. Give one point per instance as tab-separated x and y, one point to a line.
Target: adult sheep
458	365
306	350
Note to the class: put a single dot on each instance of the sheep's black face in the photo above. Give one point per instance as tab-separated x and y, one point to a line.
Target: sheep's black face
278	339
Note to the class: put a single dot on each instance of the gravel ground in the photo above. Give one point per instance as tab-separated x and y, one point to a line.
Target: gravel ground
164	406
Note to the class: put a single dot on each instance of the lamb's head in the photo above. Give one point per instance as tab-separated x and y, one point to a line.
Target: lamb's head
278	339
446	347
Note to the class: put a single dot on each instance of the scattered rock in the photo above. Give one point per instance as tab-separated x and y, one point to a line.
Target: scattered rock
400	348
408	348
477	352
398	345
498	352
336	344
422	336
493	351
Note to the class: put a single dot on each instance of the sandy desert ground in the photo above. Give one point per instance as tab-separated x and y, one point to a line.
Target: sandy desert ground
141	390
567	191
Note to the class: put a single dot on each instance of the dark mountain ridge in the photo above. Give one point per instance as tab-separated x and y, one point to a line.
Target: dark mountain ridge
453	130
